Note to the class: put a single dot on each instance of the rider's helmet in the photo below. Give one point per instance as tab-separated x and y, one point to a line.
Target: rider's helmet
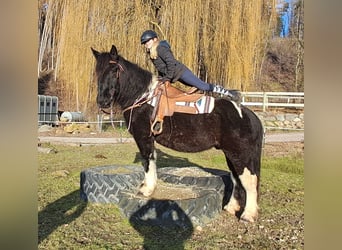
147	35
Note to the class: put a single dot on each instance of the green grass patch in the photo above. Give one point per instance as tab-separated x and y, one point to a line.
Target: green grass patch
288	164
67	222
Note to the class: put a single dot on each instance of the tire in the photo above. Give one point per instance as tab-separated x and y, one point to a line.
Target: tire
100	186
167	213
215	179
107	184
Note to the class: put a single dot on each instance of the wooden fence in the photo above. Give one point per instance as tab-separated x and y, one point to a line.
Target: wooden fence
262	100
273	99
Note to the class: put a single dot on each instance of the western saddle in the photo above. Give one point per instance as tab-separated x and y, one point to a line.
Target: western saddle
166	102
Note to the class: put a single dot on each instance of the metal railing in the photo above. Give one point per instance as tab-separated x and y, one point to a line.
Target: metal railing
273	99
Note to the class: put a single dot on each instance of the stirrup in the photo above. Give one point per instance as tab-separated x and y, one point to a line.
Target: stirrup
157	126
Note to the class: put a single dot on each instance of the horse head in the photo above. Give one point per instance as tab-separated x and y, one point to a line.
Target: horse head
107	73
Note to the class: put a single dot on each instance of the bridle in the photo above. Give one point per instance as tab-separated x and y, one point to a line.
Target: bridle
121	69
137	103
112	92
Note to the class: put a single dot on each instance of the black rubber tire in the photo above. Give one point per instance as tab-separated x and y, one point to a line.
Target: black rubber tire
199	210
218	179
99	186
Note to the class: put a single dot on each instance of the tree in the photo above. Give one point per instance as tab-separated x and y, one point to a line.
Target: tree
221	41
297	32
283	67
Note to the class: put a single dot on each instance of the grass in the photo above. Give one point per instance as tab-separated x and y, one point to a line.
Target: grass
66	222
289	164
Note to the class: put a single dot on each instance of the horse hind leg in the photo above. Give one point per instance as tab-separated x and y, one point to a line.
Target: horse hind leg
249	182
243	182
150	182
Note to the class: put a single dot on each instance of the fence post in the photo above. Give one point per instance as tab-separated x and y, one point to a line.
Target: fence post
264	102
121	131
99	123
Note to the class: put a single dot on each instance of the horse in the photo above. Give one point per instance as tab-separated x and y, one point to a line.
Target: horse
232	128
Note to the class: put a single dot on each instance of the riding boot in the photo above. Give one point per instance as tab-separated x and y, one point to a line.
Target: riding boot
233	95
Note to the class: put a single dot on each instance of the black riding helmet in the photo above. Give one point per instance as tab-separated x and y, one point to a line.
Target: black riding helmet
147	35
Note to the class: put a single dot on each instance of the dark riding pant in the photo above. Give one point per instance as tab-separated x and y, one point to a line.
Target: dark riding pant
188	78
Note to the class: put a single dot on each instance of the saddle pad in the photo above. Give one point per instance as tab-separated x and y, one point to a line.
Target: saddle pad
205	104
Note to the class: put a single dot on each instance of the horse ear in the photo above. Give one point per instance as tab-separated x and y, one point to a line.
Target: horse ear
114	52
95	53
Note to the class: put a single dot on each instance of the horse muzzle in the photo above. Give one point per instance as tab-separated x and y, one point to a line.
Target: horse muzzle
104	103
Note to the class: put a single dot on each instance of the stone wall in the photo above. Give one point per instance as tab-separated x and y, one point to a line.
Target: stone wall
282	120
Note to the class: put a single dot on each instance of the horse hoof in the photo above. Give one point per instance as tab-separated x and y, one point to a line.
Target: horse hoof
232	209
145	191
248	217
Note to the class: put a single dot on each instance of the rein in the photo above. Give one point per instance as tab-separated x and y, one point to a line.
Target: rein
138	103
111	113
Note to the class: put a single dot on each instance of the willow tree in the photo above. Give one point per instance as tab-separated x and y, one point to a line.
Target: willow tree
222	41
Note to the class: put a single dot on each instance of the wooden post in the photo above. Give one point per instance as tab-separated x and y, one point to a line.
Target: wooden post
99	122
264	102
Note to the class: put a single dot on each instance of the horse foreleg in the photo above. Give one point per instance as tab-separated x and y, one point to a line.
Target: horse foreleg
250	183
150	182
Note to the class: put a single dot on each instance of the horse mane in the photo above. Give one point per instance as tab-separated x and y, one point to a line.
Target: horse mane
137	78
134	81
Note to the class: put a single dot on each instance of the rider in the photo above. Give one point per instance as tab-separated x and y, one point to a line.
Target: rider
171	70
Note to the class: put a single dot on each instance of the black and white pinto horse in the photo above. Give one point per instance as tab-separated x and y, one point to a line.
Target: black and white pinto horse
234	129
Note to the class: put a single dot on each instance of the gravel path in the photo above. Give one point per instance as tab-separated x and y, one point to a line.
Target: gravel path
82	140
279	137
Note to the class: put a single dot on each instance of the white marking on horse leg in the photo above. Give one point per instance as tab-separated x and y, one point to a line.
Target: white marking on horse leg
249	182
150	181
233	204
